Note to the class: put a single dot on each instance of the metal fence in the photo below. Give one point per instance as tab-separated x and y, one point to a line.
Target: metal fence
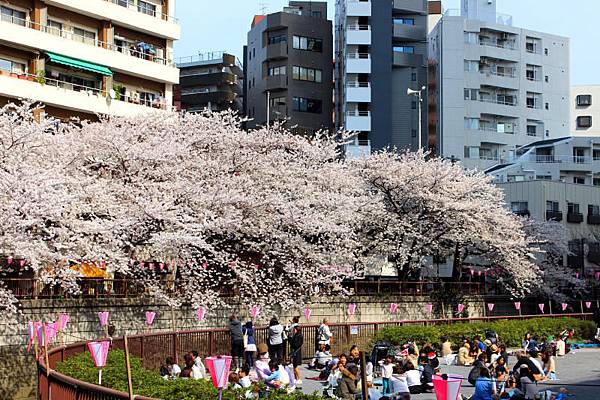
153	348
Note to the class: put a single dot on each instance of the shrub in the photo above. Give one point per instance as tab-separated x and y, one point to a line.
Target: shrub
150	383
510	332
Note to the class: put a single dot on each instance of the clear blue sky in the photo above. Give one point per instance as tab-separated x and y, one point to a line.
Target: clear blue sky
210	25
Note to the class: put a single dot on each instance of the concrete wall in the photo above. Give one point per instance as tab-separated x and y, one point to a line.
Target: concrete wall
17	369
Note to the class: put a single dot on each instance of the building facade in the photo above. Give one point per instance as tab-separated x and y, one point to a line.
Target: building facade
381	52
585	110
288	67
83	58
497	87
212	81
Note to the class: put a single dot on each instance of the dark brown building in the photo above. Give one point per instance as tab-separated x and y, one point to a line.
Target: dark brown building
289	68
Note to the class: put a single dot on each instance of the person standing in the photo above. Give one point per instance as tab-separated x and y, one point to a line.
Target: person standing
237	340
275	342
249	343
597	321
324	335
296	342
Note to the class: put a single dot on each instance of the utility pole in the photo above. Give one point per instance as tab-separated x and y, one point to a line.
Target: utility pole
268	109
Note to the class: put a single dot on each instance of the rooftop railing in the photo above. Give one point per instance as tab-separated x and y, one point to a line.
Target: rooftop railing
131	5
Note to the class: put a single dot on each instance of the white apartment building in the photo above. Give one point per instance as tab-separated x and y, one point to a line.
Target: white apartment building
493	86
84	58
585	110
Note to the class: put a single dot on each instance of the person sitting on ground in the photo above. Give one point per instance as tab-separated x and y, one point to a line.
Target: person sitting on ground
398	382
354	355
478	365
346	387
427	376
549	366
503	353
413	379
527	383
433	360
524	359
525	341
533	345
447	351
170	369
412	357
275	376
464	358
322	358
190	370
234	381
485	388
198	363
244	376
534	359
262	362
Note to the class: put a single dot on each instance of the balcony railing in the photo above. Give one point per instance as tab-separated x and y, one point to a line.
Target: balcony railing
593	219
364	56
359	27
495	100
506	74
552	159
142	51
130	4
554	216
575	218
356	113
509	45
356	84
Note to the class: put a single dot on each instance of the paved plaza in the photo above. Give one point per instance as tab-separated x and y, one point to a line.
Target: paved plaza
582	368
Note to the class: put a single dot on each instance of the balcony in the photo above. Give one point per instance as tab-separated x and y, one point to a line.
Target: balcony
126	13
358	34
358	149
73	97
409	32
357	8
411	6
407	59
522	213
358	92
593	219
358	121
584	161
277	51
575	218
554	216
277	83
358	63
145	63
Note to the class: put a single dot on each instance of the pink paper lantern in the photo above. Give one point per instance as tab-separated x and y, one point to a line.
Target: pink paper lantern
461	308
30	330
577	275
219	370
351	309
393	308
472	271
564	306
22	263
254	311
597	276
588	304
200	314
307	313
429	308
99	352
9	260
51	331
63	320
103	317
150	317
449	388
517	305
41	334
541	307
490	306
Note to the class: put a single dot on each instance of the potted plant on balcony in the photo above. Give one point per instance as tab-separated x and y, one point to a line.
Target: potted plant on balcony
22	76
40	77
13	74
118	88
4	72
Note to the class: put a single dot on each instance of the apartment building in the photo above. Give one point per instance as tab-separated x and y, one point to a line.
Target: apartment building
585	110
212	81
84	58
288	65
381	52
574	205
497	87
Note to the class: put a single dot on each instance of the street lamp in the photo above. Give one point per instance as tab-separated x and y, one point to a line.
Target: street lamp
419	94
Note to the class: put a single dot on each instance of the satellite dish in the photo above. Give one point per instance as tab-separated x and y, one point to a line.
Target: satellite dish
112	94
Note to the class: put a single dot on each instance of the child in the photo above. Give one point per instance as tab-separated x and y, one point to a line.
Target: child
244	376
387	370
234	381
275	372
322	357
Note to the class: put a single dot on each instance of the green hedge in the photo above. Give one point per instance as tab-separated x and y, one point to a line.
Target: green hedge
510	332
150	383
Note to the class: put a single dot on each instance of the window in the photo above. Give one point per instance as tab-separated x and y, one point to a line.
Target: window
276	102
584	100
544	177
471	66
546	79
472	123
274	71
579	180
79	83
277	39
596	155
546	51
573	208
84	36
547	106
316	14
413	105
519	207
55	27
254	52
404	21
147	98
308	44
413	133
593	209
404	49
596	182
303	104
413	76
533	100
531	130
552	206
12	66
584	121
13	16
576	247
307	74
146	8
471	94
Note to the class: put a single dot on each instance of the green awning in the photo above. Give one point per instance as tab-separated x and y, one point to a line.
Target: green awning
75	63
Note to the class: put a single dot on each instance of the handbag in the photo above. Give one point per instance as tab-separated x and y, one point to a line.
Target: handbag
245	338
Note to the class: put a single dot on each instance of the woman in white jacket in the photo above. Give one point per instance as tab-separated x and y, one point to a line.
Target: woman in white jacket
275	340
